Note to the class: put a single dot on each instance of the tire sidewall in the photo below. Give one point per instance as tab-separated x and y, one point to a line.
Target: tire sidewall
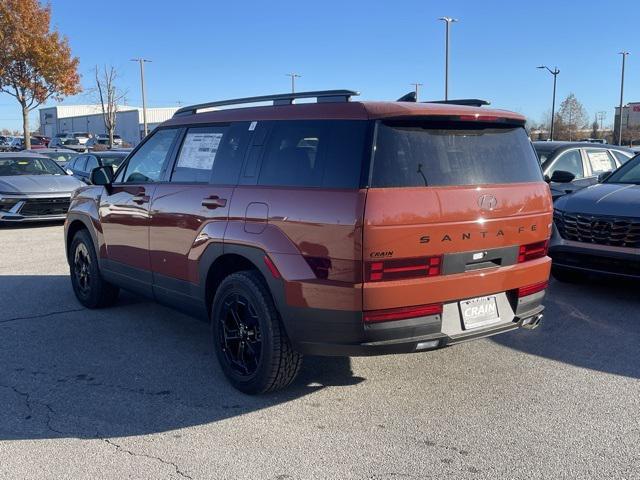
248	287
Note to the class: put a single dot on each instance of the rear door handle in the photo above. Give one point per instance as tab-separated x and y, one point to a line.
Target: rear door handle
214	202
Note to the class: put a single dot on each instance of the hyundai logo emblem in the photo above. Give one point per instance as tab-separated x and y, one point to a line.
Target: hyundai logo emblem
487	202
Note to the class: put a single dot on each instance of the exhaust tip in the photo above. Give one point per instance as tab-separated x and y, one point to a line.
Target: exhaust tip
532	322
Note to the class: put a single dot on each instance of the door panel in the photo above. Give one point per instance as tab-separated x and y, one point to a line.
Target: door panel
179	213
124	215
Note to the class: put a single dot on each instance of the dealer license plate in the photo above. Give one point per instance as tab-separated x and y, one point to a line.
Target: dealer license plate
479	312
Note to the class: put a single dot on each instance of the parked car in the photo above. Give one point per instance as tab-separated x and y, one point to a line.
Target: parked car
33	188
82	166
103	140
67	140
16	144
584	161
45	140
60	155
597	229
329	228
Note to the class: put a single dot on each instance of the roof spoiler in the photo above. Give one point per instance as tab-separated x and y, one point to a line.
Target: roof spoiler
467	102
321	96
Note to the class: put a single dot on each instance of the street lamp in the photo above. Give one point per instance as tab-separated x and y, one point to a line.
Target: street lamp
555	73
142	61
293	80
624	57
447	21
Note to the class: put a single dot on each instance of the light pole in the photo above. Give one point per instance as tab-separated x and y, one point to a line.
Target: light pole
417	86
447	21
624	57
293	80
555	73
601	116
142	61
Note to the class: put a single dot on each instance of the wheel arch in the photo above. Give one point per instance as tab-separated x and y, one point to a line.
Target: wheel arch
218	261
73	225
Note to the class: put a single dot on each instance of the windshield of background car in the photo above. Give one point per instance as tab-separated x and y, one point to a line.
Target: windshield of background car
628	173
414	154
113	161
28	166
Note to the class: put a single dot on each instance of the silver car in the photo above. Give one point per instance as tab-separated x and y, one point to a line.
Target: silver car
33	188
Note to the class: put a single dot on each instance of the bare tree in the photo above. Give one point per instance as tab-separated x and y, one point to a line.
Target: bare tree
109	96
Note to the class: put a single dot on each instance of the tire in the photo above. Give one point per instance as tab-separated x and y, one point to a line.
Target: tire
250	342
565	275
90	288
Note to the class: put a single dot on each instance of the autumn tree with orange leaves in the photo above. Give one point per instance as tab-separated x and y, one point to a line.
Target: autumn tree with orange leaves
35	63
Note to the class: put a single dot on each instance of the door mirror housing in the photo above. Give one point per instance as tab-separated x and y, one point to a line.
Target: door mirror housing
561	176
603	176
69	172
102	176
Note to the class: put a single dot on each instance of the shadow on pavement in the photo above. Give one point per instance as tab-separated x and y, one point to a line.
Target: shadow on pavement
594	324
132	369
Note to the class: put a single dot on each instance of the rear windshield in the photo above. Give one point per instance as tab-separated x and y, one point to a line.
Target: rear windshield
415	155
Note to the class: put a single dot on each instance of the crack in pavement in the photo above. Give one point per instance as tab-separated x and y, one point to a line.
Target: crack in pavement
41	315
49	418
28	402
119	448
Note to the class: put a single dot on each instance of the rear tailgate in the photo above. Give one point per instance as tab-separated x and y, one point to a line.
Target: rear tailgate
469	233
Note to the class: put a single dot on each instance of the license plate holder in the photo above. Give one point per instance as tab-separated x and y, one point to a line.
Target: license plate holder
479	312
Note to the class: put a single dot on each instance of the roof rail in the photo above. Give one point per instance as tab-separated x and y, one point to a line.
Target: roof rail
467	102
279	99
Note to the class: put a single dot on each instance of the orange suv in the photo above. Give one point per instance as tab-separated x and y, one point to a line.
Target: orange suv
327	228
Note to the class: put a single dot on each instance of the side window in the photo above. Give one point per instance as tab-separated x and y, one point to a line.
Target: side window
570	161
622	158
147	163
600	161
92	162
198	154
80	162
295	154
70	164
231	152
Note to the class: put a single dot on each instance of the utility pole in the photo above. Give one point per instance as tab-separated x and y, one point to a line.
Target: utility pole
448	21
555	73
142	61
293	76
601	116
417	86
624	57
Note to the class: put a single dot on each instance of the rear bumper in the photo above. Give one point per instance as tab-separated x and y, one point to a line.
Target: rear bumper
340	333
595	259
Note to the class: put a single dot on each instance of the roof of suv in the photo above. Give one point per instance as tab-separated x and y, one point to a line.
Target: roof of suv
341	111
557	145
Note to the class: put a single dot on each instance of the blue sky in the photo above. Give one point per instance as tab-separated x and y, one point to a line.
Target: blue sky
206	50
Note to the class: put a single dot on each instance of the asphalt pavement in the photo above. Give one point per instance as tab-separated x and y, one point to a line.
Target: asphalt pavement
134	391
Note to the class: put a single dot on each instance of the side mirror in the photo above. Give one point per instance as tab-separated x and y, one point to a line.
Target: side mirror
603	176
560	176
102	176
547	178
69	172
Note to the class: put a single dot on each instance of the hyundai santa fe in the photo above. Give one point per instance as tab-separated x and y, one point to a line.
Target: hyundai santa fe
328	228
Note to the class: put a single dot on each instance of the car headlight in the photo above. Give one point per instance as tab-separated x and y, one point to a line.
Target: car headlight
7	203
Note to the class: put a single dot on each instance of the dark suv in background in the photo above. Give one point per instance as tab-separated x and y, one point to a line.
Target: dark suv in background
331	228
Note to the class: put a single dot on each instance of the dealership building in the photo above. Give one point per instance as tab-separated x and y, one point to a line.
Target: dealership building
88	118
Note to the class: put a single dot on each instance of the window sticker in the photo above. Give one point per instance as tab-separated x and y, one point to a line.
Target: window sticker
600	161
199	150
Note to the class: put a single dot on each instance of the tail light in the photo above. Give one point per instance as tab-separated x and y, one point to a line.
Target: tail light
532	251
374	316
403	268
531	289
